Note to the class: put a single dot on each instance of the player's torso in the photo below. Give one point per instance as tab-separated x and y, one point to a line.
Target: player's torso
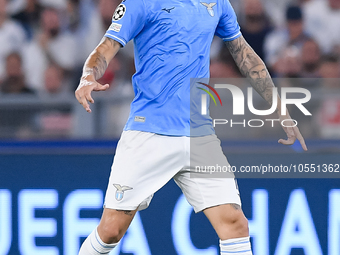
199	16
172	45
178	26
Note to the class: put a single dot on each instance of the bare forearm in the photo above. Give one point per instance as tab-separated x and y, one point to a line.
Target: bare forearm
256	71
252	67
96	64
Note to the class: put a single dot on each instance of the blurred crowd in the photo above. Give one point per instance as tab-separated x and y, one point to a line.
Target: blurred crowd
296	39
44	43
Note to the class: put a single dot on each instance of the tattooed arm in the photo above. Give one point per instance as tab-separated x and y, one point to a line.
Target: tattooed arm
252	67
94	69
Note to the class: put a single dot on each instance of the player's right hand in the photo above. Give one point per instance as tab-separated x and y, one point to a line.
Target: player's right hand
83	92
292	132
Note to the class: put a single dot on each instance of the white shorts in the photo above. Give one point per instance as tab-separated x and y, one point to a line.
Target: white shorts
145	162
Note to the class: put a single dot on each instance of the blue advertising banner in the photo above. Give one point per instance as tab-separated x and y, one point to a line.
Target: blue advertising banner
49	202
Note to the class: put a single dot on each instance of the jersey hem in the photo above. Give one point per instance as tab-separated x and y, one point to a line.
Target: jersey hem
175	134
116	38
232	37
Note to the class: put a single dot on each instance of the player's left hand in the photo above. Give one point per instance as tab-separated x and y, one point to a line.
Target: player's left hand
292	132
83	92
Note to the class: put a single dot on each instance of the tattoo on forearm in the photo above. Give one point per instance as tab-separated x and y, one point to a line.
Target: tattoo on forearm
251	66
236	206
100	66
97	67
97	63
111	41
126	212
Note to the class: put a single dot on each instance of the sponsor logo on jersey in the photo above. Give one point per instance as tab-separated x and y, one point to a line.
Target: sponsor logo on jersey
140	119
119	12
120	191
210	8
115	27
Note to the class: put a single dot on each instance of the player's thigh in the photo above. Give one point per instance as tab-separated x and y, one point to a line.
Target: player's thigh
144	162
114	224
207	159
203	193
203	189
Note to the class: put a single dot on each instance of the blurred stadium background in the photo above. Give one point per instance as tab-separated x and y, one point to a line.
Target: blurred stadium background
55	158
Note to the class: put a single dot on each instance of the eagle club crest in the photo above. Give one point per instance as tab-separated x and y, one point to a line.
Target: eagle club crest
210	8
120	191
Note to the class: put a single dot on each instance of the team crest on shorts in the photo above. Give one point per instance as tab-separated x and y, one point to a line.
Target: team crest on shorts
120	191
210	8
119	12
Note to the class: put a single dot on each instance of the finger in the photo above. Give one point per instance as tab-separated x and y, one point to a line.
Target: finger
87	108
301	140
77	96
290	132
85	104
100	87
303	143
89	98
289	141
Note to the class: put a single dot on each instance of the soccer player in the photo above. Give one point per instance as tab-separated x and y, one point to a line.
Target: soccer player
172	43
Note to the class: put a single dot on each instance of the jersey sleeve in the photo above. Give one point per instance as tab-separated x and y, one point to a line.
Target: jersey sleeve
228	28
127	21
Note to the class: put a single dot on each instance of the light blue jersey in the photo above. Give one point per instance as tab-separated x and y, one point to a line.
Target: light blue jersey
172	41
